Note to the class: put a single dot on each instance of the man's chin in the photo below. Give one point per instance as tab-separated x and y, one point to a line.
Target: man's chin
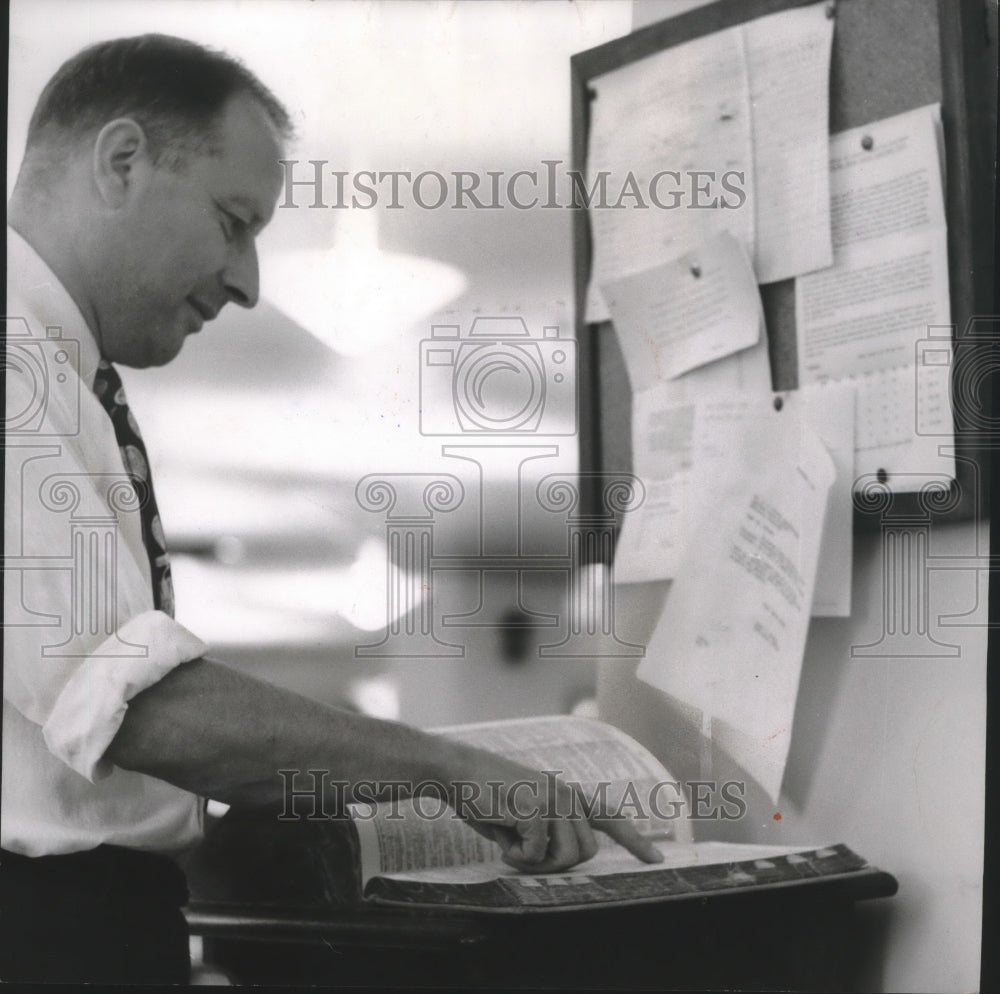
150	359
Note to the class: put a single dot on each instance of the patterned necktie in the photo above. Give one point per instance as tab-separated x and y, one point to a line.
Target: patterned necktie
110	392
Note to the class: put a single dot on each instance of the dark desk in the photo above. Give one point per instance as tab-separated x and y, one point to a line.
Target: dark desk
274	906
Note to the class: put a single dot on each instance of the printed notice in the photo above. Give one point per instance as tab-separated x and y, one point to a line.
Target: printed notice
670	160
788	60
683	314
863	319
732	634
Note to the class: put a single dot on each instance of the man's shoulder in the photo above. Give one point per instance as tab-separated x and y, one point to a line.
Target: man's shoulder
43	326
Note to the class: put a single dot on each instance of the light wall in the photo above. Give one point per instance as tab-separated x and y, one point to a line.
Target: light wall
887	755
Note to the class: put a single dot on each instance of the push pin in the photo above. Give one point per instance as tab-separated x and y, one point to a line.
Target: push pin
831	9
779	403
696	271
591	93
882	476
867	143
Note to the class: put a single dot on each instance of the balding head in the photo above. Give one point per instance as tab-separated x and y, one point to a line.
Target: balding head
174	89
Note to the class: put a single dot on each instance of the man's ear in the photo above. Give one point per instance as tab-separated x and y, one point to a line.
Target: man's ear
121	160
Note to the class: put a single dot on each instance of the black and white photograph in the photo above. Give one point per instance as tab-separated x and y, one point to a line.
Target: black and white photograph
568	565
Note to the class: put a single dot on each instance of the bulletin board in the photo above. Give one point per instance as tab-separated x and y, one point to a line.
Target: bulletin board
888	56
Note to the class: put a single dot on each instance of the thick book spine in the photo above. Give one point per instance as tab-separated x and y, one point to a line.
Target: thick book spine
524	892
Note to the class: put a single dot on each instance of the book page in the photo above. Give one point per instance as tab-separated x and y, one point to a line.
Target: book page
731	636
411	834
678	123
605	763
788	60
677	316
864	318
599	758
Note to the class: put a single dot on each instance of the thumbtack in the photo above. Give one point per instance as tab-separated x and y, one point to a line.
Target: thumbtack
882	476
779	403
867	143
696	271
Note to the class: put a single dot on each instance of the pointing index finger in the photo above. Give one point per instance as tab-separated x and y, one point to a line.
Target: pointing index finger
625	834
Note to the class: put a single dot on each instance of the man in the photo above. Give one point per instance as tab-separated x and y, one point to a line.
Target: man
151	166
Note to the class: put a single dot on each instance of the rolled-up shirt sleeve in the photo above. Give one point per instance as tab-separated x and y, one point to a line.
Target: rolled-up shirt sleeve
91	706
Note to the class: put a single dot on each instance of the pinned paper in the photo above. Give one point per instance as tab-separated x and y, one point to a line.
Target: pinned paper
669	161
652	541
683	314
788	58
728	132
732	635
863	319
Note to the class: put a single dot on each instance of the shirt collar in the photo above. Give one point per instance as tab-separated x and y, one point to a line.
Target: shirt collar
33	281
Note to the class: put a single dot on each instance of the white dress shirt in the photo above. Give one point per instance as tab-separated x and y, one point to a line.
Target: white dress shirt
81	636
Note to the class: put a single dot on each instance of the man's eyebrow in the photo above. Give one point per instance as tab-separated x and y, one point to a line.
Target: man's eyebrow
249	205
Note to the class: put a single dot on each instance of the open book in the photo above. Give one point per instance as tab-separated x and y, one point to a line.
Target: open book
418	853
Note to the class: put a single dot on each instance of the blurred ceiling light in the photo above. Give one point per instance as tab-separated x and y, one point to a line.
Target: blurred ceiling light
358	593
354	296
256	606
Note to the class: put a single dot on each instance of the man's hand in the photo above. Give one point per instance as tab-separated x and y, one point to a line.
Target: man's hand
257	729
542	824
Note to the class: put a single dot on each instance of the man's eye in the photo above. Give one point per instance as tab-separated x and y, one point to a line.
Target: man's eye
230	223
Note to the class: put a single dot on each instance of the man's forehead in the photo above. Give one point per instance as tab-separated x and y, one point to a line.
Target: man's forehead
249	150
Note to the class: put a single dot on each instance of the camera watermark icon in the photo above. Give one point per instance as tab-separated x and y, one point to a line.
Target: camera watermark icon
34	364
503	387
965	366
497	379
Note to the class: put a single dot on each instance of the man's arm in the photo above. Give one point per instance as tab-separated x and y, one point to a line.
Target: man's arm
219	733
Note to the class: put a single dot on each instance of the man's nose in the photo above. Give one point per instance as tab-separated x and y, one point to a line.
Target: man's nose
241	276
